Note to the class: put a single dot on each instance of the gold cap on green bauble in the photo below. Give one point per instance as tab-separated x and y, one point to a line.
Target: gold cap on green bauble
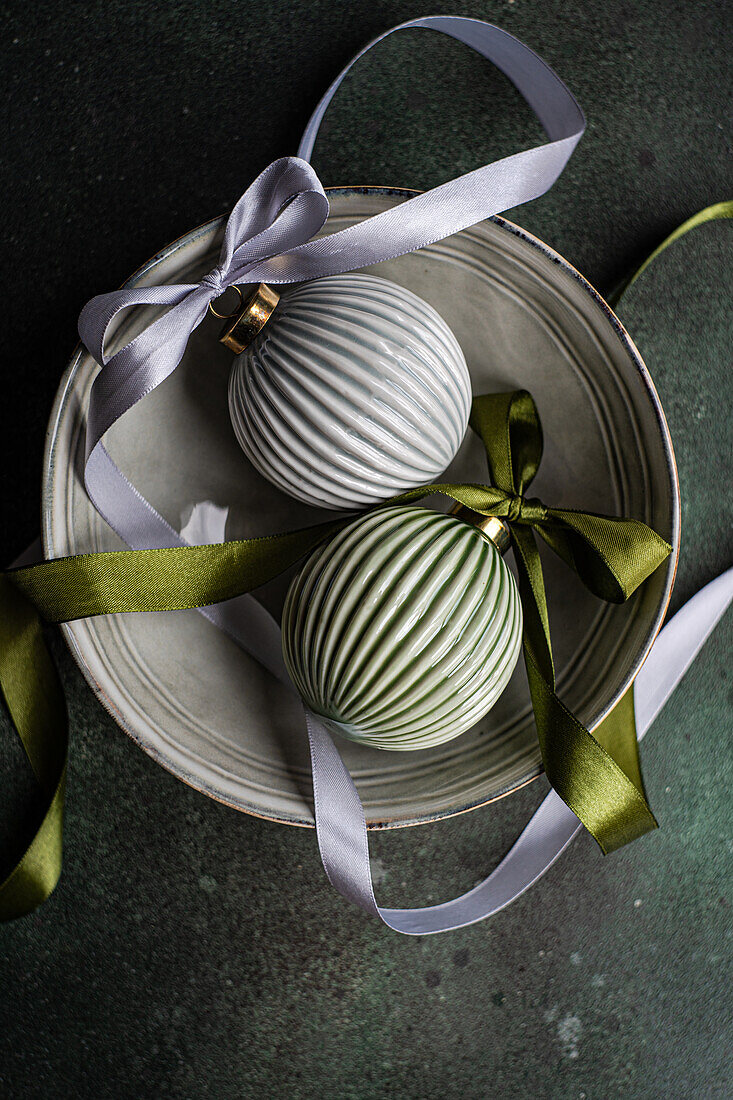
403	630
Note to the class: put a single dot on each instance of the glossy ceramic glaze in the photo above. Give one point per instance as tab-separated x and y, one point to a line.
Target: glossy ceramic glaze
355	390
209	712
404	629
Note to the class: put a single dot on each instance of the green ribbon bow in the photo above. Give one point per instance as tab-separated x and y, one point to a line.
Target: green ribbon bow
597	776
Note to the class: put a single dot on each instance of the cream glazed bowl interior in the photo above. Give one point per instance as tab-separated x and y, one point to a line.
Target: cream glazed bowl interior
213	715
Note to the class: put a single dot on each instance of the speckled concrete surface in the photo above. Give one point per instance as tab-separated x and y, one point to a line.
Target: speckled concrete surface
193	952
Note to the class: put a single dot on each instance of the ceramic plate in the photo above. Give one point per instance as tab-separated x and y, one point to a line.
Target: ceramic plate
212	714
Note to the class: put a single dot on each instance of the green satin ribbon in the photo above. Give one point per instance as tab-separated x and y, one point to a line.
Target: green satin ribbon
35	700
598	776
712	213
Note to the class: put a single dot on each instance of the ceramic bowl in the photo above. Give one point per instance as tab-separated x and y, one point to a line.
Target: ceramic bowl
210	713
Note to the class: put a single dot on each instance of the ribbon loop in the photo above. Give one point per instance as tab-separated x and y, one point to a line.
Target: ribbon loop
611	556
510	429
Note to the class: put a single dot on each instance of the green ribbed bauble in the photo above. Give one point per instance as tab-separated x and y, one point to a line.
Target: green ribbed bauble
404	629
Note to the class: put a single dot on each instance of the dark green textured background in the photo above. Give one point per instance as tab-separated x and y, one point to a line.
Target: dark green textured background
193	952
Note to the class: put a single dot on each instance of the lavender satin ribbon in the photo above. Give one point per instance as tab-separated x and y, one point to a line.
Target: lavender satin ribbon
269	238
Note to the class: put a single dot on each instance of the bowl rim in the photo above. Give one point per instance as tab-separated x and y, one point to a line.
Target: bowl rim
642	371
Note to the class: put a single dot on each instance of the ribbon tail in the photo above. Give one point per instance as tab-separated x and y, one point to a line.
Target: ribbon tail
34	697
708	214
534	601
168	579
584	773
598	778
35	875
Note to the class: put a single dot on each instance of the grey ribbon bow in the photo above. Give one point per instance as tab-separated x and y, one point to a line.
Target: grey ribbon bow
269	237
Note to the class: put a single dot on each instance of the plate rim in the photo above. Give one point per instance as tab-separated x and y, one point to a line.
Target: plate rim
632	353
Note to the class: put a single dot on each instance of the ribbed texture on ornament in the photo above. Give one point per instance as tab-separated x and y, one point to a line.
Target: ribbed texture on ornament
355	390
404	629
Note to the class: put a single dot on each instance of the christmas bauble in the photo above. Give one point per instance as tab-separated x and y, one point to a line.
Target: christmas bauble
403	630
354	390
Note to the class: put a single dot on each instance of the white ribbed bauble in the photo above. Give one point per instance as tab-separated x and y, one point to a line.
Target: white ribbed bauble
403	630
353	391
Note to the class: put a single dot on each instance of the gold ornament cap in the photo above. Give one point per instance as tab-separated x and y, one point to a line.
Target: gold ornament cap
248	319
493	527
